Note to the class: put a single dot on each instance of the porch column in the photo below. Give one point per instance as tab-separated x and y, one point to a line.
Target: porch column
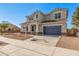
37	28
29	28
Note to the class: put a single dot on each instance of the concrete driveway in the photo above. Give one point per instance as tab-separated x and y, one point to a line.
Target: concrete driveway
30	48
45	40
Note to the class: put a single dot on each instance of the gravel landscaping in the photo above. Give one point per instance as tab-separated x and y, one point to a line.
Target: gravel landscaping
18	36
68	42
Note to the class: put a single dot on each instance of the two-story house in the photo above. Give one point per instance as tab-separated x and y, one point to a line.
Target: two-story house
53	23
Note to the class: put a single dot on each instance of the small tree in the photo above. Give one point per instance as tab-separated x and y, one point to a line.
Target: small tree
0	29
3	26
76	18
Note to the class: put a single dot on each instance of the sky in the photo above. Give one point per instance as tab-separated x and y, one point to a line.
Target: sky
15	12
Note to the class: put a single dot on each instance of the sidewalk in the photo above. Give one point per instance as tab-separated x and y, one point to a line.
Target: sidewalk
28	48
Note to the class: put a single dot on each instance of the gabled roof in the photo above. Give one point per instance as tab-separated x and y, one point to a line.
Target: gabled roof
56	9
38	12
12	25
35	13
24	23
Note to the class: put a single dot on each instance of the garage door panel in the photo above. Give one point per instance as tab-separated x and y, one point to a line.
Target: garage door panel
52	30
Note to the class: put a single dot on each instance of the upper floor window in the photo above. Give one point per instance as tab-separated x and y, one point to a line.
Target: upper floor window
57	15
36	16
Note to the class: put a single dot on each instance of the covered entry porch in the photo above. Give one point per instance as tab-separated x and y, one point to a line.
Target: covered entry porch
32	29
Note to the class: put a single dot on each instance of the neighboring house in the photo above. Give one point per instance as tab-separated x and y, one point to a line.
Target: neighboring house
53	23
12	28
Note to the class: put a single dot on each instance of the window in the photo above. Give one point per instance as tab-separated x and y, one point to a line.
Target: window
57	15
9	29
36	16
32	28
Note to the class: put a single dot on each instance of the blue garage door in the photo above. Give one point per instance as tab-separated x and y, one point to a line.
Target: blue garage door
52	30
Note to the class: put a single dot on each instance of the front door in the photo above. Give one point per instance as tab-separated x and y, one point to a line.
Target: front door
33	29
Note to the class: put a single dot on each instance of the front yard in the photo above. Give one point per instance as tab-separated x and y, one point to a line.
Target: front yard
68	42
54	46
18	36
